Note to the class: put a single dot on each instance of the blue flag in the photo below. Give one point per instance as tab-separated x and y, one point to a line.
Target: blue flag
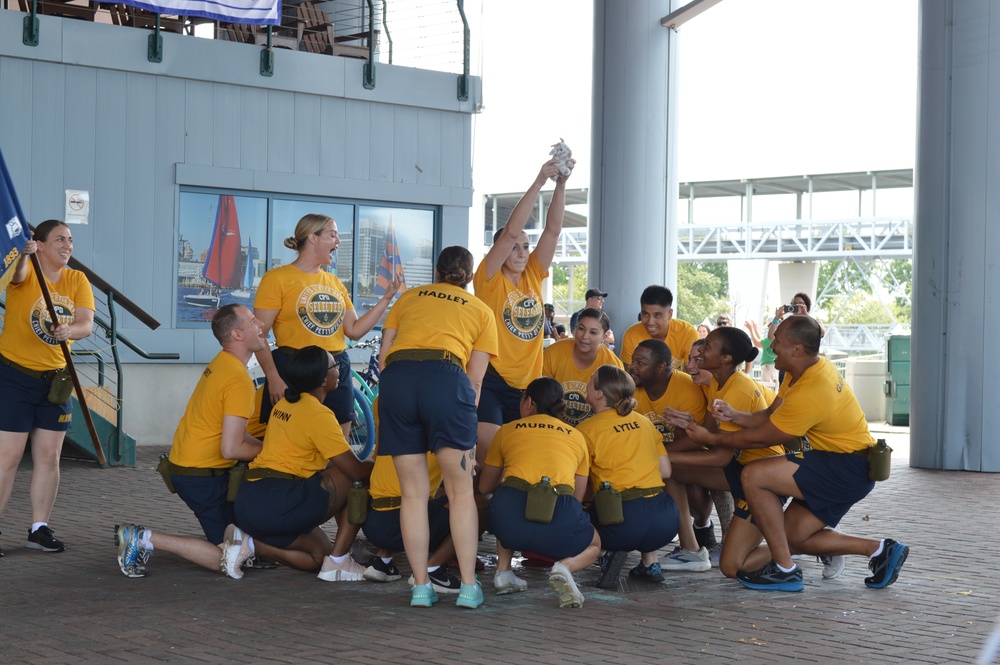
262	12
14	234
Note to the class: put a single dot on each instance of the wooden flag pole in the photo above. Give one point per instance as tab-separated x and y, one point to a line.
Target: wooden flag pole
101	459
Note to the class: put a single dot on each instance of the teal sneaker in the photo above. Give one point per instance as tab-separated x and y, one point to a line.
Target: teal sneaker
771	578
886	566
423	596
470	596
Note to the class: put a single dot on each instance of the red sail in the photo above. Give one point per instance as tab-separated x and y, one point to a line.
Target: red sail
223	265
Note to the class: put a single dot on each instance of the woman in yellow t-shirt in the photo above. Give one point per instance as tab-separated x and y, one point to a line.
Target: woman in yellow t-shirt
305	305
301	476
536	447
29	344
626	451
724	352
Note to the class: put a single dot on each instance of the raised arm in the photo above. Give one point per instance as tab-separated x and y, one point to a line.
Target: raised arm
549	240
356	327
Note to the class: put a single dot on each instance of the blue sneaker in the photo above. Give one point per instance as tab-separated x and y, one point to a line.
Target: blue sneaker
470	596
886	566
423	596
771	578
131	555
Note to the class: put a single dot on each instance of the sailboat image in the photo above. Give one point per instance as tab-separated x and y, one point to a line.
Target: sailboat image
247	287
222	263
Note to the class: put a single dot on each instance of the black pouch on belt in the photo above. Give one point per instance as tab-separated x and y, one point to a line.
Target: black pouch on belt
62	386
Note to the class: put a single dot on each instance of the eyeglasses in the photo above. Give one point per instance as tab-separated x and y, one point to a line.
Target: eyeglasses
722	322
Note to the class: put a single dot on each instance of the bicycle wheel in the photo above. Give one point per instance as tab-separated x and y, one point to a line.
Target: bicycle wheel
362	436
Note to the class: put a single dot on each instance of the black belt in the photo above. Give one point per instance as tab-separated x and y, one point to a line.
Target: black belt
263	472
44	375
863	452
420	355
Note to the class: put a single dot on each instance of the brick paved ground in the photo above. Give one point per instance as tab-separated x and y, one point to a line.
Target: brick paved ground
76	607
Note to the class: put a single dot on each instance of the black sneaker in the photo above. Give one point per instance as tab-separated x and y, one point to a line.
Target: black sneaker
611	570
886	566
380	571
260	563
705	535
43	539
771	578
445	582
650	573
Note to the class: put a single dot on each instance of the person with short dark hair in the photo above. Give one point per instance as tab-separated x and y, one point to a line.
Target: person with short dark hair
824	481
594	300
656	321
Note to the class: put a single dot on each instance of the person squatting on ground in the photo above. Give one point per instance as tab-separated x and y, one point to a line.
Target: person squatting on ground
308	306
509	281
539	456
825	479
210	438
572	361
627	457
32	364
436	344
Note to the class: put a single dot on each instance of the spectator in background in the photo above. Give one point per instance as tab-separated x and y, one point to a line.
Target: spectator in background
561	331
595	300
801	304
768	375
703	331
723	321
550	321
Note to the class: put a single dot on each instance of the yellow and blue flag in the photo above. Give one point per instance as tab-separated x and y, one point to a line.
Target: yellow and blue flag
390	266
13	234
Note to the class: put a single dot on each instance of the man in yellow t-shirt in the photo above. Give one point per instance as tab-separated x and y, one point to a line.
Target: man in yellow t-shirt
825	479
657	322
210	438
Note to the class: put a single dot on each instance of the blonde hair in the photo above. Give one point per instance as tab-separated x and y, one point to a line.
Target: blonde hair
309	225
618	388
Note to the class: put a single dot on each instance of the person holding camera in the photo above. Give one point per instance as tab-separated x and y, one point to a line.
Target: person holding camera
801	304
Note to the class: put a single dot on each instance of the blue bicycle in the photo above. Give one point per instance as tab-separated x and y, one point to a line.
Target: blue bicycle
362	435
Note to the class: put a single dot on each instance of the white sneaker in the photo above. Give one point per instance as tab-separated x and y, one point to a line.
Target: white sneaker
347	570
235	552
833	566
714	555
681	559
561	581
506	581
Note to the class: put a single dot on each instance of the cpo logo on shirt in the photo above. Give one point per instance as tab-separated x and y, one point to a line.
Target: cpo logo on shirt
320	310
577	409
665	428
522	316
41	322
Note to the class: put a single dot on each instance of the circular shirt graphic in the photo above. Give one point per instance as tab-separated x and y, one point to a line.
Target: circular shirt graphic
577	409
665	428
522	316
41	322
320	310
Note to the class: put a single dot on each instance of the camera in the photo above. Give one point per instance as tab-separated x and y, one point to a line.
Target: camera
791	309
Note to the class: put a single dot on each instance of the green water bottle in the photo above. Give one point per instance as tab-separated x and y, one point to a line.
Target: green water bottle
358	499
541	502
879	461
608	502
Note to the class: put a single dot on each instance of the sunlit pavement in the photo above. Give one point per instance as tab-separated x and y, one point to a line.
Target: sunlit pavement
77	607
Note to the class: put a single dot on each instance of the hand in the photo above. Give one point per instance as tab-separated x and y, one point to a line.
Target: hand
570	164
751	326
393	289
721	411
698	434
779	313
61	332
550	169
677	418
276	389
30	247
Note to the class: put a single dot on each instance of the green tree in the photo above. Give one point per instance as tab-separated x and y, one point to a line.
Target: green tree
702	291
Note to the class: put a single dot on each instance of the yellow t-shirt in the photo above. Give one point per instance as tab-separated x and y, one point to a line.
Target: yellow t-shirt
442	316
680	336
519	321
743	394
681	394
538	446
26	336
557	362
624	450
301	437
311	307
224	389
255	428
823	408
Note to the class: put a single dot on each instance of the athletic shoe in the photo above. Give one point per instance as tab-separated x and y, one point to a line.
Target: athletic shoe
258	562
561	581
347	570
470	596
235	552
714	555
650	573
602	560
833	566
705	535
611	570
681	559
505	581
43	539
131	554
423	596
771	578
380	571
442	581
886	566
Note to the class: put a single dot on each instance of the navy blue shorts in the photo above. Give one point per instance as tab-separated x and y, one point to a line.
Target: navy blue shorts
424	405
741	507
382	526
498	402
340	401
831	482
567	535
206	497
276	511
649	524
26	405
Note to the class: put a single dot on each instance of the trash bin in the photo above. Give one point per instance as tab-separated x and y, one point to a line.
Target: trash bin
897	383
